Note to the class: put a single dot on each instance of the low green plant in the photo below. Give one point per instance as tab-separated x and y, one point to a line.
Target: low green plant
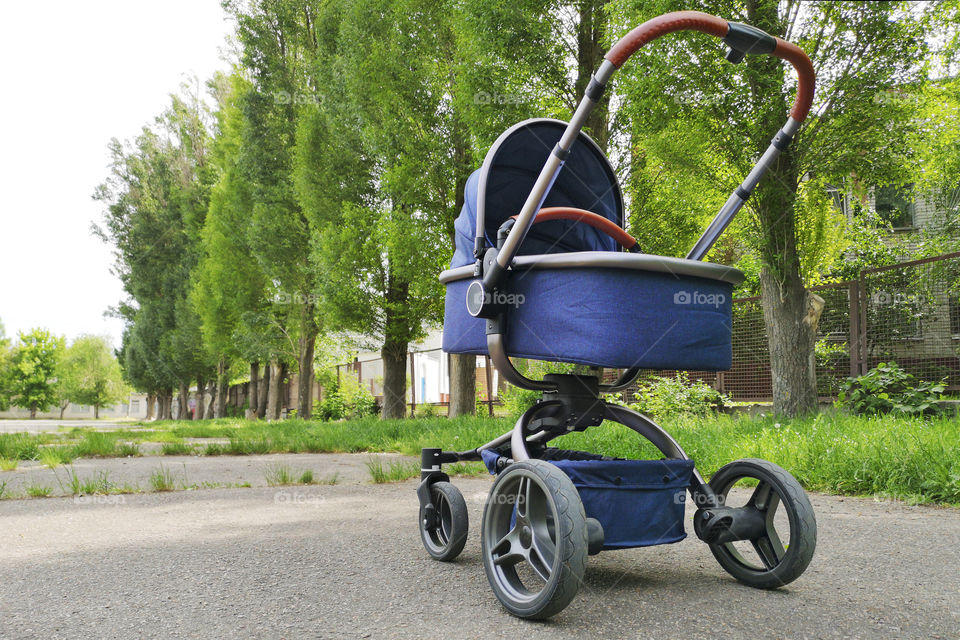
96	444
662	398
278	474
329	480
889	389
163	479
427	411
128	450
306	477
38	491
176	449
53	457
394	471
8	464
3	488
214	449
98	483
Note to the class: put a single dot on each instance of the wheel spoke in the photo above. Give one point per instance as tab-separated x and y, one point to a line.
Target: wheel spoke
770	552
761	495
523	497
508	550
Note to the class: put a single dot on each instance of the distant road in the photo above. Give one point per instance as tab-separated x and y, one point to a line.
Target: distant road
345	561
39	425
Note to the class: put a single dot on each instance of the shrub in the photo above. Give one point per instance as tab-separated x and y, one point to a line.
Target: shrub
662	398
889	389
348	400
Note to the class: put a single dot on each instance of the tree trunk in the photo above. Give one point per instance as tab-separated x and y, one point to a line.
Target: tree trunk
184	413
791	315
252	391
263	392
394	354
63	408
96	412
463	384
33	411
273	395
220	408
200	406
212	394
151	405
308	339
590	52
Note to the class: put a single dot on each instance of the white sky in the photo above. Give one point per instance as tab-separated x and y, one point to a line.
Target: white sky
74	74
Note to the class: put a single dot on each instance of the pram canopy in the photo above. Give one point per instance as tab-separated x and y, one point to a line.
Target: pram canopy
498	189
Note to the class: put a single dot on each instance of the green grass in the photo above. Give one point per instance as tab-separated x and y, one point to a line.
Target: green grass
176	449
128	450
38	491
55	456
278	475
96	444
913	459
3	488
306	477
98	483
393	472
8	464
163	479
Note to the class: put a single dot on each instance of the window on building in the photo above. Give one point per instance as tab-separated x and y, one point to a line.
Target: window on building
894	205
839	199
134	406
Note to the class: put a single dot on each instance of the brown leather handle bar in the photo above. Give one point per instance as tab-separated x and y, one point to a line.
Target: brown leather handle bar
720	28
608	227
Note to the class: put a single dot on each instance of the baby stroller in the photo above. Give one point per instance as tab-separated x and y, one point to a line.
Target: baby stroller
544	270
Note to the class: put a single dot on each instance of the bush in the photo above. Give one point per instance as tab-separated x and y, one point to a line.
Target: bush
662	398
349	400
889	389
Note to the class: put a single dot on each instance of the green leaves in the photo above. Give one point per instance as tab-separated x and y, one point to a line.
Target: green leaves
889	389
32	381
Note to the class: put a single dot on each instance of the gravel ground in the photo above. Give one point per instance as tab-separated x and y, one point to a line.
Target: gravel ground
197	471
345	561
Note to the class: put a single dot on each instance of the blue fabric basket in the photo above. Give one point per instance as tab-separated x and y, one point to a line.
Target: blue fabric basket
639	503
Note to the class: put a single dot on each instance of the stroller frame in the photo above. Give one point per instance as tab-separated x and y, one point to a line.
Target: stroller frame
550	531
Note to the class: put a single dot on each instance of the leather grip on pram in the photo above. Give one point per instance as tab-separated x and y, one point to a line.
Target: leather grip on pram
756	41
596	221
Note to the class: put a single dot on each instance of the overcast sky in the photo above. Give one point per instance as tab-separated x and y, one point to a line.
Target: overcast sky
74	75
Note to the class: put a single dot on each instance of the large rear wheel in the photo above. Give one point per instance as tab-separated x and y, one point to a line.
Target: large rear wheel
534	539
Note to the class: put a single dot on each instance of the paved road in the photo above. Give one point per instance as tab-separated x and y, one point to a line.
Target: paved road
40	425
345	561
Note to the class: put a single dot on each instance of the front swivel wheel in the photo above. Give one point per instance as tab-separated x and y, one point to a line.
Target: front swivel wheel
785	536
443	529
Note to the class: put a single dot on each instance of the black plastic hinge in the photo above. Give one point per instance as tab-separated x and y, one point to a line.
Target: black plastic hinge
742	193
560	152
744	39
595	89
781	141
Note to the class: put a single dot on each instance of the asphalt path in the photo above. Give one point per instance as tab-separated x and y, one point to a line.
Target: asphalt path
345	561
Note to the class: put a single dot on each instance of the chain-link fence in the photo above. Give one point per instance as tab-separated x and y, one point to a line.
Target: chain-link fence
908	313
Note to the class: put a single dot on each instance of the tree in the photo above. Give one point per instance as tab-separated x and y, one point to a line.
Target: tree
155	200
33	370
277	40
858	49
5	369
91	373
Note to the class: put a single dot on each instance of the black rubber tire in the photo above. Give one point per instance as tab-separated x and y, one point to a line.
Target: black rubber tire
803	524
446	539
565	525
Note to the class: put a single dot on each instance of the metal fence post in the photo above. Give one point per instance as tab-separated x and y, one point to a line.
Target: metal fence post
413	387
486	366
856	356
